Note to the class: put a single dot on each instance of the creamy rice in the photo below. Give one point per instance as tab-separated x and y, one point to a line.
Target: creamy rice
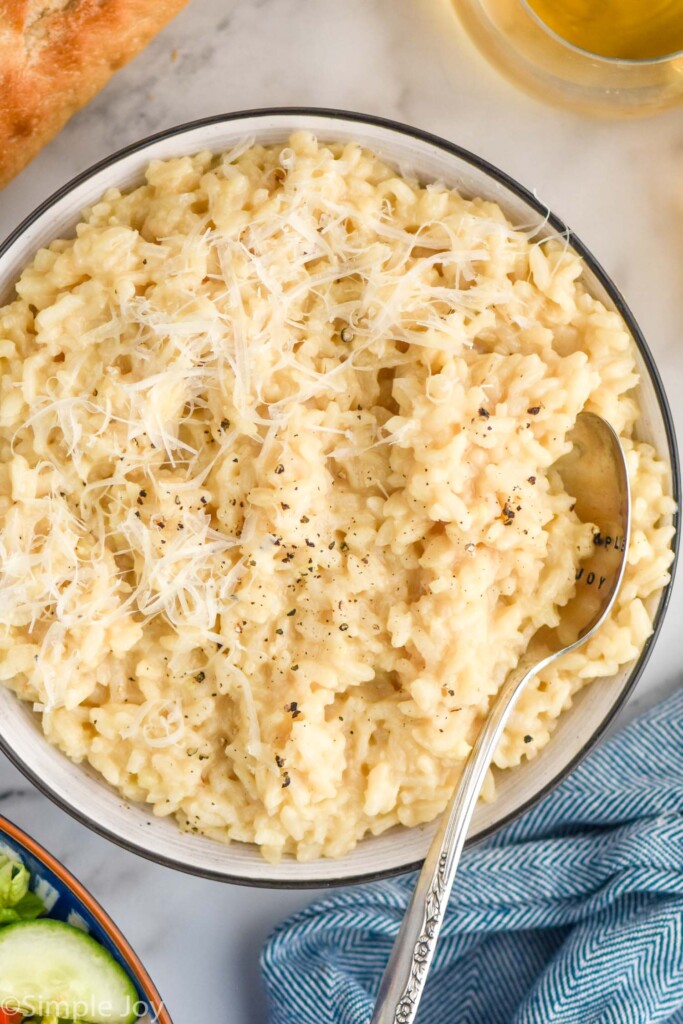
277	502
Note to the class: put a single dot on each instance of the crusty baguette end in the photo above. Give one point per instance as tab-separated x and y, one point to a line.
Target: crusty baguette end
55	55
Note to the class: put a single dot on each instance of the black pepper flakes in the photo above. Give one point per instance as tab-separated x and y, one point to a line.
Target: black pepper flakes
200	677
225	424
534	410
484	412
528	739
344	626
509	514
292	612
293	709
531	479
286	780
279	468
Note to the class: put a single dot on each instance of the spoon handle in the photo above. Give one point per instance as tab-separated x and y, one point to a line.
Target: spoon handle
406	972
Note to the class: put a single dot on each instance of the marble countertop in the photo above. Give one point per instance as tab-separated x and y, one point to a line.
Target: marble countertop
620	187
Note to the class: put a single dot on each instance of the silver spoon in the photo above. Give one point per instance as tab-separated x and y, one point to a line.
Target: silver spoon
594	472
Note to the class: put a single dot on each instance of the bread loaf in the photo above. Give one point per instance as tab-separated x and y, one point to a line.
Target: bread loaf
55	55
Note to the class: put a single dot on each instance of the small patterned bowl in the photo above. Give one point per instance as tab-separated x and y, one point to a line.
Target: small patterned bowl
67	900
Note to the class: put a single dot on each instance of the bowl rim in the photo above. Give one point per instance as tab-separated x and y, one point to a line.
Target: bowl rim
513	186
133	961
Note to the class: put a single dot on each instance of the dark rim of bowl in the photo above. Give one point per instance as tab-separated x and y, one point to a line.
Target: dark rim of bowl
620	305
133	962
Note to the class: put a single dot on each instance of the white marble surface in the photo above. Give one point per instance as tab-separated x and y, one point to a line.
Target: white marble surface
619	185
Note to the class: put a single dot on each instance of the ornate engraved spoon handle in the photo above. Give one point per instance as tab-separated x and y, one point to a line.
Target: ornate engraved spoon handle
408	966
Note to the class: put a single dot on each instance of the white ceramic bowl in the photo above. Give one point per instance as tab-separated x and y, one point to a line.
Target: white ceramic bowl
80	790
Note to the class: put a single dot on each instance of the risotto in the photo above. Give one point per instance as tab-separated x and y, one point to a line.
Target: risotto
278	510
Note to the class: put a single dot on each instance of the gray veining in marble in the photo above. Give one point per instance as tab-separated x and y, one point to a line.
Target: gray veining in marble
619	185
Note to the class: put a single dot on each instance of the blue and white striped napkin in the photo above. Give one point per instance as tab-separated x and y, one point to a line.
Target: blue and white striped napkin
571	915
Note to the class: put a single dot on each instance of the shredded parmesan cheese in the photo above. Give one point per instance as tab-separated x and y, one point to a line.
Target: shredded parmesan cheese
277	507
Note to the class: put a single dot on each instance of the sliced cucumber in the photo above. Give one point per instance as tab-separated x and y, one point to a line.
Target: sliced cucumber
48	967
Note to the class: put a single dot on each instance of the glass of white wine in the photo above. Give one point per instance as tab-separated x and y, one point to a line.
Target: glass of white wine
611	57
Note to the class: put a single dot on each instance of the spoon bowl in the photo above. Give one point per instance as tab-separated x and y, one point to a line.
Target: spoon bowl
594	472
